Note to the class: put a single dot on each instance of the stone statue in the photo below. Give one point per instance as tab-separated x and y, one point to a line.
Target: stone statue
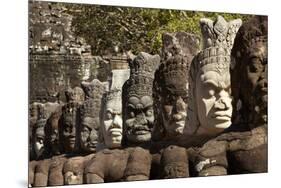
52	133
137	99
90	115
170	89
112	128
243	146
39	141
69	127
249	86
210	108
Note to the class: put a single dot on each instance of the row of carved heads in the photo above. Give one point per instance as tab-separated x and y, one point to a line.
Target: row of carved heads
183	94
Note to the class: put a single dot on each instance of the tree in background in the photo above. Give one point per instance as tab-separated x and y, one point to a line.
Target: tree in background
111	29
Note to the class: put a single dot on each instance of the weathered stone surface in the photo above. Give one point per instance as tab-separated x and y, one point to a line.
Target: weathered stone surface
90	112
137	99
170	87
174	162
57	58
210	107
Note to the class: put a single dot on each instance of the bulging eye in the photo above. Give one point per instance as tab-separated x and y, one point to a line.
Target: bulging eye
149	112
132	114
108	115
211	92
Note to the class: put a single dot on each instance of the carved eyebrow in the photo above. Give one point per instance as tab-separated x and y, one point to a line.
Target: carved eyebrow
109	110
210	82
148	105
131	105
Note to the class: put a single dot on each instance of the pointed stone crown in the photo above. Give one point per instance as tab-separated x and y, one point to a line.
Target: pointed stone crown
42	117
142	69
69	111
175	73
91	108
218	39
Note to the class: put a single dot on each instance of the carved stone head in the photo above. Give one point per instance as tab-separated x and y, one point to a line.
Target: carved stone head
137	101
210	91
39	142
249	72
75	95
52	132
90	115
73	171
69	126
170	89
112	128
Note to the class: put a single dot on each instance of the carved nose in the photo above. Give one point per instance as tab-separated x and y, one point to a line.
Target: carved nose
221	104
140	119
117	122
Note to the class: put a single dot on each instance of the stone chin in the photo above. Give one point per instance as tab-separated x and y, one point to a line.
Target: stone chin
114	142
217	125
140	137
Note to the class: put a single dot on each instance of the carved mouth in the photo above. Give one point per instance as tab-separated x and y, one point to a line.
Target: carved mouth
115	132
141	132
221	116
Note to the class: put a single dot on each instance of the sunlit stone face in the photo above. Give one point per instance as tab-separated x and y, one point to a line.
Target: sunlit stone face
213	100
89	133
113	123
139	119
255	79
39	141
174	112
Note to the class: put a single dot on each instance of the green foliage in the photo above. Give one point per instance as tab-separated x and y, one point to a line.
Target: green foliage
135	29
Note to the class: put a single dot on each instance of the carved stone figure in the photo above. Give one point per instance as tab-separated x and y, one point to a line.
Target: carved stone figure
170	89
137	99
69	126
52	133
112	128
243	148
250	89
90	115
39	141
210	108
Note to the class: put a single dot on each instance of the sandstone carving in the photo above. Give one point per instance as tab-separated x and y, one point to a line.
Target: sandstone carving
112	123
90	115
170	88
137	100
210	107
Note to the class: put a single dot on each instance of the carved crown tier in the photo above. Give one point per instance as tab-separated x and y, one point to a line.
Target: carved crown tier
219	32
142	69
69	111
91	108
